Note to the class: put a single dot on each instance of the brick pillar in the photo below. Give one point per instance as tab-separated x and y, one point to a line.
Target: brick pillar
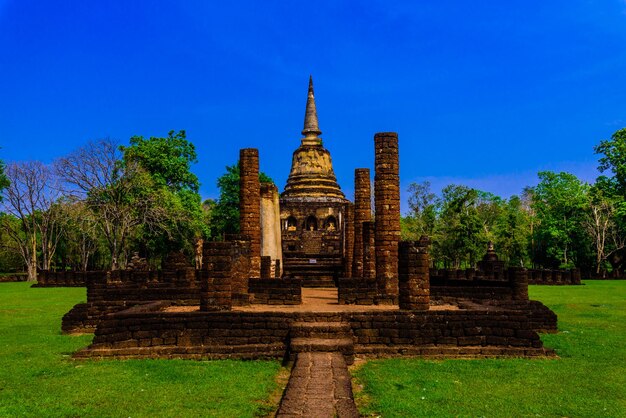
215	279
387	207
414	275
576	276
266	267
230	259
348	246
277	272
369	256
362	213
215	291
250	205
518	278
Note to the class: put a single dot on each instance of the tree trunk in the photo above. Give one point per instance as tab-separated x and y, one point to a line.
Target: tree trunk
32	263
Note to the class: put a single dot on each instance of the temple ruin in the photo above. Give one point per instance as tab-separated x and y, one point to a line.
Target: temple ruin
311	271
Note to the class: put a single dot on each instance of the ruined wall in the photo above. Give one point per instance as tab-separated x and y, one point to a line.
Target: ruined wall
47	278
387	207
250	205
554	277
357	291
252	335
276	292
471	284
271	244
362	213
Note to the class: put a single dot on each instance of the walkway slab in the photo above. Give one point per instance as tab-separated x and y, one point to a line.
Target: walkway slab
319	386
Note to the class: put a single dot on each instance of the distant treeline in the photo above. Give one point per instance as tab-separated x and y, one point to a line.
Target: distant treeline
560	223
99	205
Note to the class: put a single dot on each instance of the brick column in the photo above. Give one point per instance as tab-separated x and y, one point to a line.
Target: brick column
348	245
215	279
362	213
387	207
266	267
369	256
250	205
518	278
414	277
277	272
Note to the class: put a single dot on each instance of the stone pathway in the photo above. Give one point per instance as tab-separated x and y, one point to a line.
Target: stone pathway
319	386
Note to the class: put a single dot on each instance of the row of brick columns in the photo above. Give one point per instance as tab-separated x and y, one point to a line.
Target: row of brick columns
374	250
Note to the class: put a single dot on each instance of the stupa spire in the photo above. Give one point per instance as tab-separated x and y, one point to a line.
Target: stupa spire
311	129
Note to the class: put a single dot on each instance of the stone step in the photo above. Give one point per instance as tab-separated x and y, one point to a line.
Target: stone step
324	330
322	345
311	272
345	346
318	282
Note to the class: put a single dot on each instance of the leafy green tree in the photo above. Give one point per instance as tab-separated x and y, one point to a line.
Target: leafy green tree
422	217
512	234
559	201
613	158
225	213
122	196
168	161
460	227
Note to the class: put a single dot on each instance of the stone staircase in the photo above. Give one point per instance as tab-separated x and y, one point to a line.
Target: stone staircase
323	272
322	337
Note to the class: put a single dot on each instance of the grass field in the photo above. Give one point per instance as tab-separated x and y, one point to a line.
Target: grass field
588	380
38	378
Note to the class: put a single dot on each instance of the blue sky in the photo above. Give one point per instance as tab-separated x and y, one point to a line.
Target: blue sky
481	93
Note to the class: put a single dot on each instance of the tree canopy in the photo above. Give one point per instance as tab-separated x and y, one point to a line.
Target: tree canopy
225	212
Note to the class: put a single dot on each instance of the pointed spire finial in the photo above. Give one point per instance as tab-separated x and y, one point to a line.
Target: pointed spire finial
311	129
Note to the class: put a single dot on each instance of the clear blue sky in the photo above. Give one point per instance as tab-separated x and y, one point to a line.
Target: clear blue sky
481	93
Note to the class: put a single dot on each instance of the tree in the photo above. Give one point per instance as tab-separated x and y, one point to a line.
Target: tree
513	232
225	213
168	161
614	158
598	221
29	198
4	181
460	229
423	215
121	195
559	201
81	233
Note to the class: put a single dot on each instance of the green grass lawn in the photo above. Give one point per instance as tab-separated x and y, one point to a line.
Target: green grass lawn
38	378
588	380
